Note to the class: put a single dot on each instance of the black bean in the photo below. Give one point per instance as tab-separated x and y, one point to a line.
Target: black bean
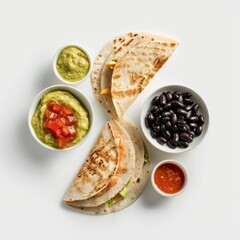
189	114
181	122
182	111
195	107
147	122
153	108
171	144
167	134
180	99
166	114
158	111
155	101
161	140
187	101
156	128
181	117
175	128
166	119
186	95
193	119
158	120
183	128
177	104
167	106
168	124
163	128
173	118
151	117
183	144
153	134
184	136
175	138
188	108
201	119
177	93
192	125
198	130
169	96
162	99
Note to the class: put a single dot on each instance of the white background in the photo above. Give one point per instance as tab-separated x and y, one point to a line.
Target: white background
33	180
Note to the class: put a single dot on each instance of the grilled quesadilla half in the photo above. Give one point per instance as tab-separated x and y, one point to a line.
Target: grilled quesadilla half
107	169
131	190
107	58
116	55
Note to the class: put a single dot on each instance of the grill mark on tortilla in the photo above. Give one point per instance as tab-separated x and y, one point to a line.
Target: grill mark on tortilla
127	43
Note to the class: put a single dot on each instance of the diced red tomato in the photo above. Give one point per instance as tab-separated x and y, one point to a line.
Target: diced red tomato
64	120
71	119
50	115
60	121
68	111
65	131
63	141
72	130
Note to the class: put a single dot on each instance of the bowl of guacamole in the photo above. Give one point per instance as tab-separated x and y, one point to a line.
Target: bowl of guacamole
60	117
72	64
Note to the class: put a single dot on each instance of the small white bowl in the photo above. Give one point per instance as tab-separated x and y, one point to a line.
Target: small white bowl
158	190
58	74
202	109
77	94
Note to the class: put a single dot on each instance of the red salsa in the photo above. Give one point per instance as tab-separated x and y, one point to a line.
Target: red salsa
60	120
169	178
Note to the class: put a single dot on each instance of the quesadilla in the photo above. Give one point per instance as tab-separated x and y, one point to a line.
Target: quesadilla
107	58
128	186
133	60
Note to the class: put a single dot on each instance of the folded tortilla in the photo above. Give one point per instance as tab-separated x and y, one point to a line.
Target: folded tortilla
126	62
132	182
114	49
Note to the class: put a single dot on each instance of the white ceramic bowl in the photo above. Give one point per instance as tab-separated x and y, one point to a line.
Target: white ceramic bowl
157	189
202	109
55	65
77	94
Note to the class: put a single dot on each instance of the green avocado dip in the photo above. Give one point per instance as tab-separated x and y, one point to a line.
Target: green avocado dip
82	122
73	64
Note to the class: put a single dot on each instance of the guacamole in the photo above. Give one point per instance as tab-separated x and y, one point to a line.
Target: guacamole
65	98
73	64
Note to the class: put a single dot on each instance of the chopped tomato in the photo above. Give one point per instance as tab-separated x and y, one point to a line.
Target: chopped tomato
63	141
50	115
60	122
68	111
65	131
71	119
72	130
64	120
56	108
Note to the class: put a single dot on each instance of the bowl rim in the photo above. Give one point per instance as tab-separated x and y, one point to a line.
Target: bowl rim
180	165
58	52
165	148
82	98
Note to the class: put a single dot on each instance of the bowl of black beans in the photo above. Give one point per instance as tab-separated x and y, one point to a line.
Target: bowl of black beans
174	119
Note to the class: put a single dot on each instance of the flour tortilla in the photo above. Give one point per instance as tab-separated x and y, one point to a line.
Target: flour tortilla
114	48
129	42
98	169
132	196
135	69
126	173
137	181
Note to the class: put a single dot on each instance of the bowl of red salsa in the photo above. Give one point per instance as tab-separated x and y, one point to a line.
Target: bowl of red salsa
169	178
60	117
